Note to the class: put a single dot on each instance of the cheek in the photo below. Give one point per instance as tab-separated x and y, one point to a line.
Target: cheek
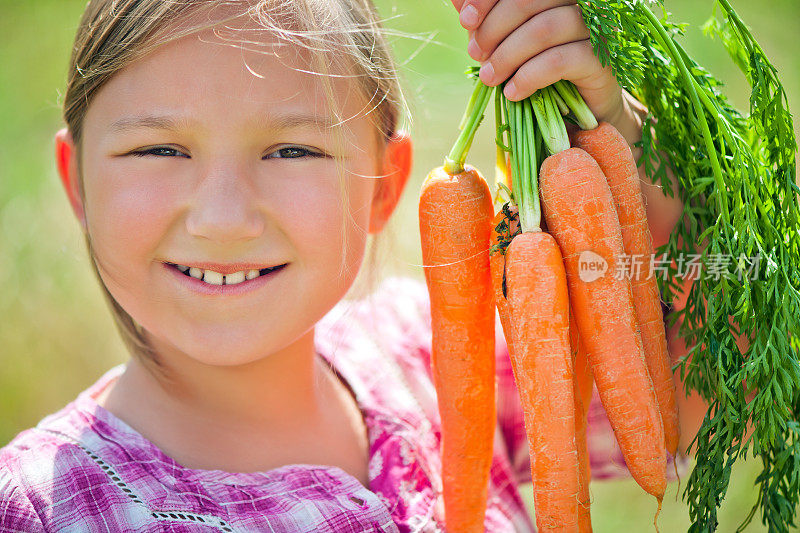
127	212
360	191
332	220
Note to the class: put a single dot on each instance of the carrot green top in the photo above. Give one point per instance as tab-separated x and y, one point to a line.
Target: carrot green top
737	180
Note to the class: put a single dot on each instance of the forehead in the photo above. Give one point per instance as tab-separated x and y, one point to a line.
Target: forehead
237	64
278	40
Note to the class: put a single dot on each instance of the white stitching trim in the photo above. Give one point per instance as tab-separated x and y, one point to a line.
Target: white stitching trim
164	516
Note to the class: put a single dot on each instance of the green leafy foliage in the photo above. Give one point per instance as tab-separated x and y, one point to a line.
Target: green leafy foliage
737	181
607	20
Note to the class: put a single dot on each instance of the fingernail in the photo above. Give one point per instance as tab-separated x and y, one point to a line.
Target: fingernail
474	50
486	73
510	90
468	17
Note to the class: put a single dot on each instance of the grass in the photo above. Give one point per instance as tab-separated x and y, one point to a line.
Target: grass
56	334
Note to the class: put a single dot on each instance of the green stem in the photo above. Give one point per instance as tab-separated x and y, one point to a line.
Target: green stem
552	106
550	122
562	105
516	183
500	146
728	131
501	120
454	163
740	28
527	162
666	42
473	101
532	208
523	162
527	136
573	99
498	119
539	146
714	112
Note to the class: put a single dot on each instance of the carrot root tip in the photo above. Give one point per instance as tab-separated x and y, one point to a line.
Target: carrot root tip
677	475
658	512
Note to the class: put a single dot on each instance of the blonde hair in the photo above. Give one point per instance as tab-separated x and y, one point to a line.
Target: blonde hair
342	37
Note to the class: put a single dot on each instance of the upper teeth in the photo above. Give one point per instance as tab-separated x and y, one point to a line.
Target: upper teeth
215	278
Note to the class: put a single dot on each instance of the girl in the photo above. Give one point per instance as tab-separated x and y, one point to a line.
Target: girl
227	161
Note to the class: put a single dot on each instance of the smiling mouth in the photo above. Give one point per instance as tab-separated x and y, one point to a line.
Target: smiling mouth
215	278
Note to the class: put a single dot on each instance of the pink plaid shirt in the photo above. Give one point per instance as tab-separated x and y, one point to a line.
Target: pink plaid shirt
83	469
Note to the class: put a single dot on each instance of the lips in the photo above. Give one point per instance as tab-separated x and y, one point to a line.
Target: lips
224	274
202	287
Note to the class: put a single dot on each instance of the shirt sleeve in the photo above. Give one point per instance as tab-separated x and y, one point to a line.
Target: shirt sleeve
16	510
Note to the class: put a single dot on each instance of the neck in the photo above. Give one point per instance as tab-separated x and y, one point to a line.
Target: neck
273	392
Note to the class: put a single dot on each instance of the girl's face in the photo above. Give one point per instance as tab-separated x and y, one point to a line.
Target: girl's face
205	155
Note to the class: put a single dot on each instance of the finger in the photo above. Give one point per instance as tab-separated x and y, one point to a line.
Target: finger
546	30
505	17
472	12
572	61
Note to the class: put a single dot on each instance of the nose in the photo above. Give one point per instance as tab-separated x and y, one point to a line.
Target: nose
224	208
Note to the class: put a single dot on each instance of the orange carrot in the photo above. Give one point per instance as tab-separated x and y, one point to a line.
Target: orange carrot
539	314
583	380
582	375
580	214
455	213
609	148
583	397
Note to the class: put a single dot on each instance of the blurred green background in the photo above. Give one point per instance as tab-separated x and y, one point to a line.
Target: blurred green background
56	335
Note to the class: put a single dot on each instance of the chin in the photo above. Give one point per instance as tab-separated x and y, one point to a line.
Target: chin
231	352
222	346
229	359
224	355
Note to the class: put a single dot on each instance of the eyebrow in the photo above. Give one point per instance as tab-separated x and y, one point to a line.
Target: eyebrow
167	123
296	120
153	122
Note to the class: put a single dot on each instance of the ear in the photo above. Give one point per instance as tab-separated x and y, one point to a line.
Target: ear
397	161
67	164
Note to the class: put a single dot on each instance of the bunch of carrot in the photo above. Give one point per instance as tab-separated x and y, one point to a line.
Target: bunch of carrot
563	329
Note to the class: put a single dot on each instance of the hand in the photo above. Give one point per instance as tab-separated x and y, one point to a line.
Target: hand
535	43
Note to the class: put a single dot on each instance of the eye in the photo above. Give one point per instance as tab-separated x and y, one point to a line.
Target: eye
160	151
293	152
